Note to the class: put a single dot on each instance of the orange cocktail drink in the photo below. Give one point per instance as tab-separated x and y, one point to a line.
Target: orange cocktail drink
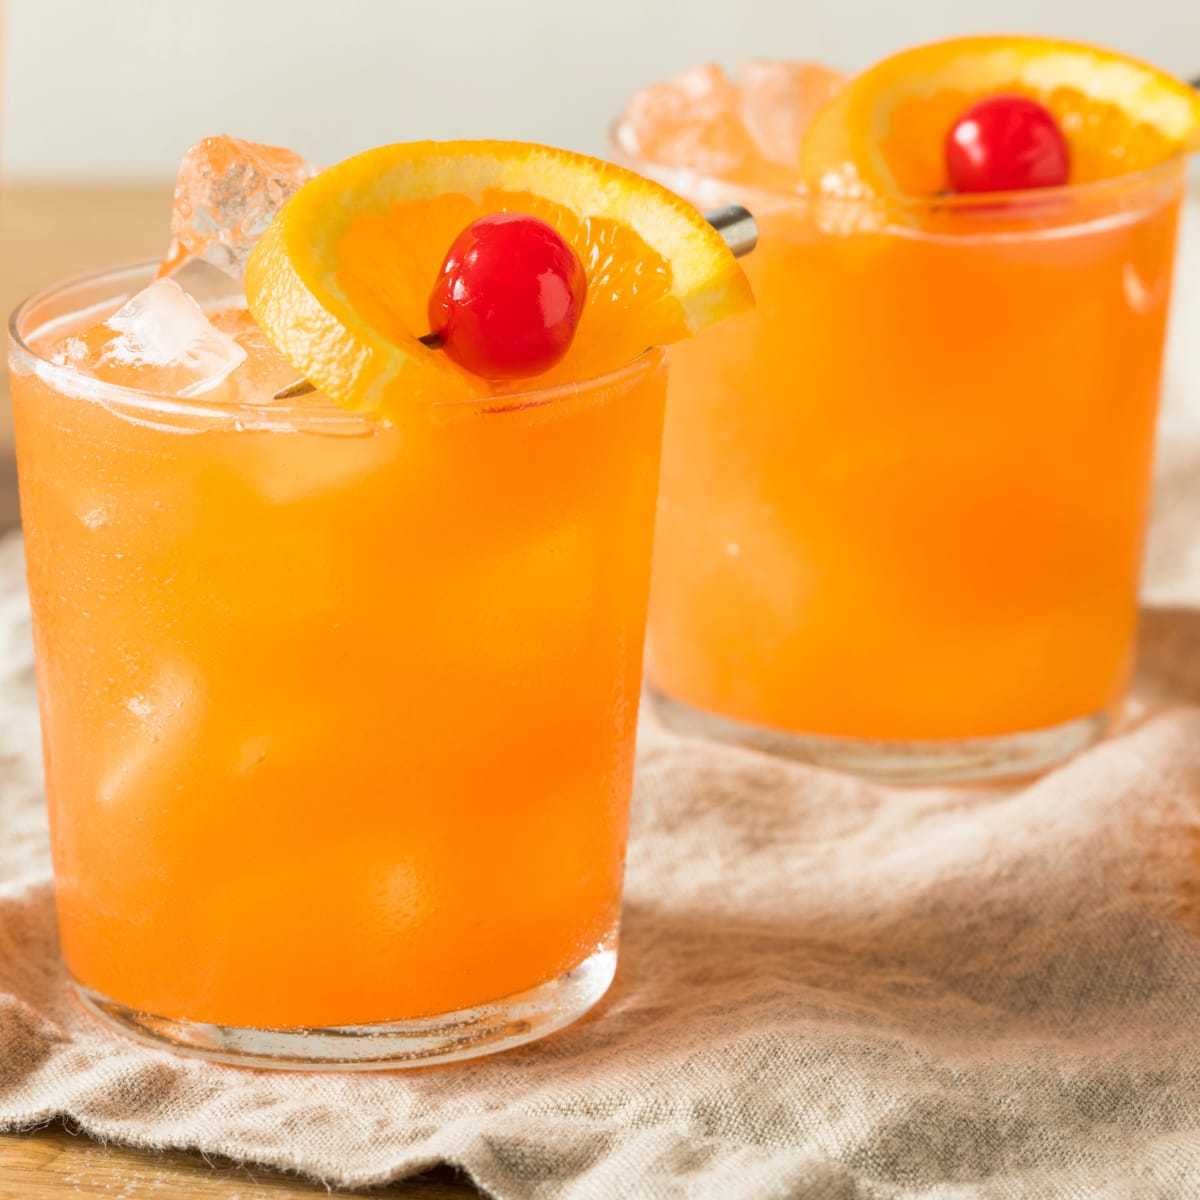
903	501
338	717
338	711
905	498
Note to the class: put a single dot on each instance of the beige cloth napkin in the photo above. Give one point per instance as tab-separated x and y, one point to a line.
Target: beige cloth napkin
827	989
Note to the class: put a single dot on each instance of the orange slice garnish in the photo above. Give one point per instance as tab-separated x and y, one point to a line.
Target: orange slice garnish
885	132
340	281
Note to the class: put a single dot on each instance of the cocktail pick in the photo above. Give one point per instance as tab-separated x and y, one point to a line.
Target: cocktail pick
735	224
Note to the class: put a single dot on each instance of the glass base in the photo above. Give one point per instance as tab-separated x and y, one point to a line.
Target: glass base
450	1037
952	760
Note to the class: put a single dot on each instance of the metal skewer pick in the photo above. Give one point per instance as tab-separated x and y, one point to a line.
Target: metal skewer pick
737	227
735	224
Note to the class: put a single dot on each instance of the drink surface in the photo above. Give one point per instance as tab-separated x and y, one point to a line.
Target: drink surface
905	497
338	715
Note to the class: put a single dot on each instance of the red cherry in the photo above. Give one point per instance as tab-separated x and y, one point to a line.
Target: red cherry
1006	144
508	297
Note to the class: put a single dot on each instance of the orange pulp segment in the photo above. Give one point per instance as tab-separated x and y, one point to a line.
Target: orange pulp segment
341	279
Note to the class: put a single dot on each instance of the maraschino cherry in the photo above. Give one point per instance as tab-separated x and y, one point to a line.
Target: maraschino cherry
1006	144
508	297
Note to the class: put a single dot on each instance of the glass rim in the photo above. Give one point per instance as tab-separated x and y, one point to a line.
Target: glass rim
1016	202
270	412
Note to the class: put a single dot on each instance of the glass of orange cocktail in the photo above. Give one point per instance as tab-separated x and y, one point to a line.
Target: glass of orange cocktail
903	500
338	708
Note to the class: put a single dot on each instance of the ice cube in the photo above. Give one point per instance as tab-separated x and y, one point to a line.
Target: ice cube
778	102
266	371
226	194
161	341
294	467
156	732
690	121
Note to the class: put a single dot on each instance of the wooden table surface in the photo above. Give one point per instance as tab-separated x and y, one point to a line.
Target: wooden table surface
48	232
54	1163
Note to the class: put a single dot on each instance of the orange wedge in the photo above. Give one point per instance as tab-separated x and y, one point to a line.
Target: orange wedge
341	279
885	131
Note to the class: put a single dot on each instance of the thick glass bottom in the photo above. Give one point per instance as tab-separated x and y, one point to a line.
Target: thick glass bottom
940	761
449	1037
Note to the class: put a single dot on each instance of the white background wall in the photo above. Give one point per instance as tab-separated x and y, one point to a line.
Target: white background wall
120	88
